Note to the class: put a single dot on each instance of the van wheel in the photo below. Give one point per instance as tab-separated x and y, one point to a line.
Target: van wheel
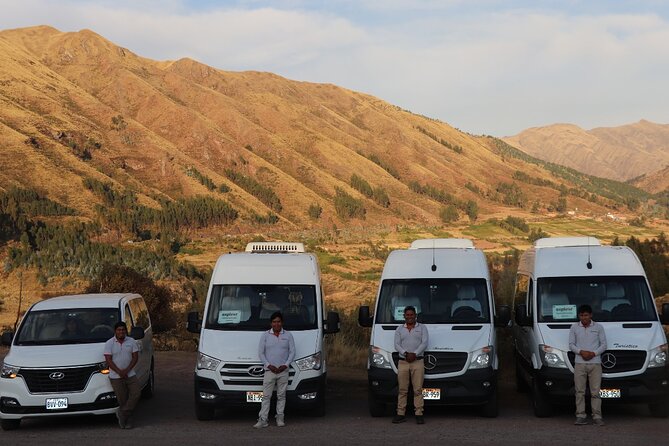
10	425
203	412
376	407
660	410
541	406
491	408
149	388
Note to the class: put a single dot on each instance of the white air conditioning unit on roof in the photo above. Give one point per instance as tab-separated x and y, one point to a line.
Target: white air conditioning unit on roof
275	247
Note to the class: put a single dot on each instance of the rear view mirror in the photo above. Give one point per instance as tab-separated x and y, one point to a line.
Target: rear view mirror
364	319
193	323
664	317
331	323
522	318
503	316
137	332
7	338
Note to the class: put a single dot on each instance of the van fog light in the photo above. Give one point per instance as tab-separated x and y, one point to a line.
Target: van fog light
375	384
549	383
207	396
9	402
308	396
486	384
664	382
107	396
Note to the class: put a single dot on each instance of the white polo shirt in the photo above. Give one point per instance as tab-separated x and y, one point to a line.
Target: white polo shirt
121	354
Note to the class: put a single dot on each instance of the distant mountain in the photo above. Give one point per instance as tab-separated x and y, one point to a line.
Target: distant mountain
619	153
84	121
654	182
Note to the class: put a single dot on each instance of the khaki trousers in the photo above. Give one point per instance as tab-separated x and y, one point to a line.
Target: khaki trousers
592	373
127	392
414	372
269	380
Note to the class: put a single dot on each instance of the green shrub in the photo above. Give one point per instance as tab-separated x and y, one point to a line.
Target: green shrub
315	210
348	207
449	214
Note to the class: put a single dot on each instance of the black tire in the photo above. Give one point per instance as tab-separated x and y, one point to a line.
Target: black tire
659	410
376	407
10	425
204	412
149	389
542	408
491	408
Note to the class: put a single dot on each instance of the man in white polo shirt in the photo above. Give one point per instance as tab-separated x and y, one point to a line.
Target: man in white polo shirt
121	353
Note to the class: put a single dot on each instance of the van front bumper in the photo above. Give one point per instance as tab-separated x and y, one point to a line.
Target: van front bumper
649	387
474	387
306	395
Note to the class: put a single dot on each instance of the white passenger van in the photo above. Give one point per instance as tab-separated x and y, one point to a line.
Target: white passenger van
555	277
448	282
56	366
245	289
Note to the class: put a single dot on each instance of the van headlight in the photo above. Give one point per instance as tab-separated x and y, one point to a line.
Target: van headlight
658	356
312	362
553	357
205	362
103	368
379	358
481	358
9	371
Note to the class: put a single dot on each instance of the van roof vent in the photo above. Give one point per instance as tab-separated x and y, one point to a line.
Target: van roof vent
430	243
275	247
556	242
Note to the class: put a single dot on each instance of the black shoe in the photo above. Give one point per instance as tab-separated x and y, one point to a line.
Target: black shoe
420	419
399	419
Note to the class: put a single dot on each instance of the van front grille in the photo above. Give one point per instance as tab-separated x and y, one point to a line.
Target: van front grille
618	361
440	362
237	374
57	380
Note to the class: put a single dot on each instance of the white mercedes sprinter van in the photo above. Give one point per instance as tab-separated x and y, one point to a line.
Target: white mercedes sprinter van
554	278
56	366
448	282
245	289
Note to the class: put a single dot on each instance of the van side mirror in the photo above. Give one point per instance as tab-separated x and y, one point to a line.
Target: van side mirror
522	318
503	316
664	317
364	319
193	322
7	338
137	332
331	323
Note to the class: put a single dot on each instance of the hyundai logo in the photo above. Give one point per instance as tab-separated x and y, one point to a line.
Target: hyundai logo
57	376
256	370
608	360
430	362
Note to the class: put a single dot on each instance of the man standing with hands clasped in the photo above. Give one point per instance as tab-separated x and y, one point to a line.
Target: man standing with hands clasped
410	342
276	351
121	353
588	341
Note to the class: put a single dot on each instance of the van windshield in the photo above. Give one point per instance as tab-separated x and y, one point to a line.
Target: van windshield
437	301
249	307
613	299
68	326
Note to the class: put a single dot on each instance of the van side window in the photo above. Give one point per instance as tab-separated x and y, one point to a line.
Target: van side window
140	313
127	318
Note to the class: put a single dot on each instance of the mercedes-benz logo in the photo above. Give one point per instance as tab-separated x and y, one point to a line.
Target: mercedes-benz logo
256	370
57	376
429	362
608	360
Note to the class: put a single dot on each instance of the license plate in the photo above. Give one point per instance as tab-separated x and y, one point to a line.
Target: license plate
609	393
431	394
56	403
254	397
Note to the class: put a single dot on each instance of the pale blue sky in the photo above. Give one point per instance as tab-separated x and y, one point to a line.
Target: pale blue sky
484	66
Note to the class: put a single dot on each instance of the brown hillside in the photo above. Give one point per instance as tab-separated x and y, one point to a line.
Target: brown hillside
654	182
618	153
64	91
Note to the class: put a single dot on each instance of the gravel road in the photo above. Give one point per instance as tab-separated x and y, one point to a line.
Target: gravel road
168	419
